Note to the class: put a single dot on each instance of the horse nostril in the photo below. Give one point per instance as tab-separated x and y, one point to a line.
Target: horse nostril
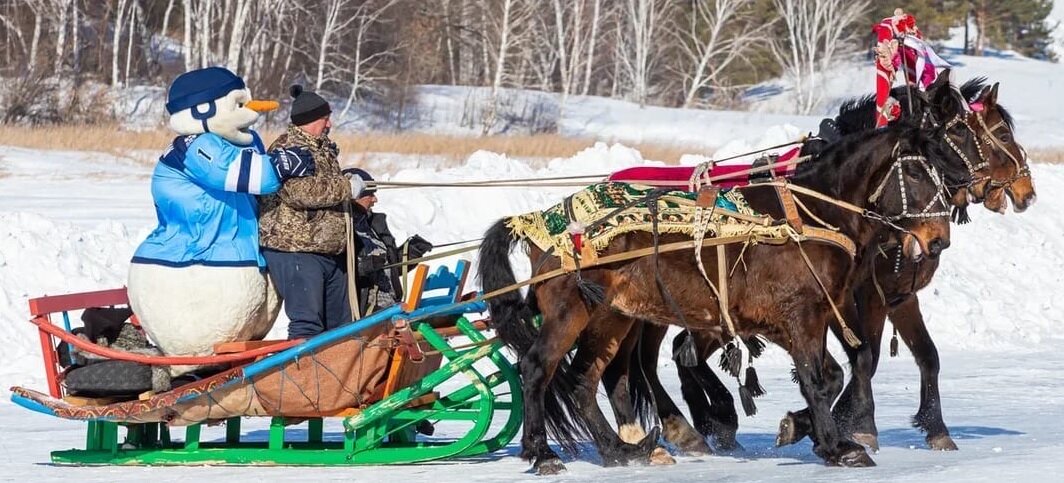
937	246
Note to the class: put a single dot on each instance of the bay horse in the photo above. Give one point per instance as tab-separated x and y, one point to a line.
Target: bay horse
776	295
999	169
890	289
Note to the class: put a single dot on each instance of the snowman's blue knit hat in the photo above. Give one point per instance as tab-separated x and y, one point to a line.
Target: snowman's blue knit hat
201	86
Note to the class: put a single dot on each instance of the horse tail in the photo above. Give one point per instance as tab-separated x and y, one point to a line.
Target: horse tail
511	314
639	389
513	318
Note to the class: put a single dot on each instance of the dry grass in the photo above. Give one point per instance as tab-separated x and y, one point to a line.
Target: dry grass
1046	155
82	138
111	139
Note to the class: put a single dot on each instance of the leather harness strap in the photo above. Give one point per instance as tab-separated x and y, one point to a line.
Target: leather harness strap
790	211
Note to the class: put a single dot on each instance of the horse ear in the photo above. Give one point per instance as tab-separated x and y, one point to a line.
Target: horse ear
939	91
943	79
991	96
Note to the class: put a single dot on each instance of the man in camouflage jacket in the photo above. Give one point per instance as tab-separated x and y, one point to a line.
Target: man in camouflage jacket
302	228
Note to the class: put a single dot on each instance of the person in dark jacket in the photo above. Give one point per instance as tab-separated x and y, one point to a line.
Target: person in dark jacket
378	284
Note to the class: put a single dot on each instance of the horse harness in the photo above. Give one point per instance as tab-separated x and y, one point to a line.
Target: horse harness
992	141
898	167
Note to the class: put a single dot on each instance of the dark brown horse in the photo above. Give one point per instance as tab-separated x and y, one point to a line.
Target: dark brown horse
776	295
999	168
890	289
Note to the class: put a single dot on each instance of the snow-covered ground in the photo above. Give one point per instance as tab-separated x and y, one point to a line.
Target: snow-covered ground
71	220
1004	411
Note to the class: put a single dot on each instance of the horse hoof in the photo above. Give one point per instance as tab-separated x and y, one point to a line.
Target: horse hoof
729	444
697	448
867	440
856	458
787	433
660	457
650	442
941	442
547	467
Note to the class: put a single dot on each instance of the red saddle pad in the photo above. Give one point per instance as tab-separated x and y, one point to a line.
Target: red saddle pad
679	176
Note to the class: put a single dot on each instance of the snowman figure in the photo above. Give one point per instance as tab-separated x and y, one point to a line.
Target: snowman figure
199	279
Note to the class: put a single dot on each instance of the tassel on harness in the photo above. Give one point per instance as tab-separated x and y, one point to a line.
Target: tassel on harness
592	293
894	344
960	215
732	359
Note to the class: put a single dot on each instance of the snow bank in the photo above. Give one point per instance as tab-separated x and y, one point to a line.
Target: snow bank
996	288
39	257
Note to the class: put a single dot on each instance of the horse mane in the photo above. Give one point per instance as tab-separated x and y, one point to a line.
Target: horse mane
973	88
831	162
857	114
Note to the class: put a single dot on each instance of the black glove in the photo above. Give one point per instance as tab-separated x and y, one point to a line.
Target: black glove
417	247
292	162
763	161
371	264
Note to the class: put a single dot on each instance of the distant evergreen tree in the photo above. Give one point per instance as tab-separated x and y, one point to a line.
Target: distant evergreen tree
1019	25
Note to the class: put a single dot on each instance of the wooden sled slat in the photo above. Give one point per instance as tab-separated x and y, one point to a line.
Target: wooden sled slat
250	345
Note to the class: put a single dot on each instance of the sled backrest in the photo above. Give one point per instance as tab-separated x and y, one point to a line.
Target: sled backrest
42	308
442	279
78	301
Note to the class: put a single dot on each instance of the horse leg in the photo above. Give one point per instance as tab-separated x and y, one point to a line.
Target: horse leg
715	418
798	425
617	381
808	350
677	430
595	350
557	335
907	318
855	411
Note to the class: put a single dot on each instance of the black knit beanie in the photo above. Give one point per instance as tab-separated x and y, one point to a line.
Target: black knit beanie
307	106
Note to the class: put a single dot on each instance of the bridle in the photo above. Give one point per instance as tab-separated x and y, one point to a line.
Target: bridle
940	199
993	142
990	139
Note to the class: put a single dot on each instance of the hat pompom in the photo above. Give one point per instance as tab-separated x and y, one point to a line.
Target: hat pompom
295	90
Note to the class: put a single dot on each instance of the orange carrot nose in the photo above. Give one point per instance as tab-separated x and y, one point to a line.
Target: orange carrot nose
262	106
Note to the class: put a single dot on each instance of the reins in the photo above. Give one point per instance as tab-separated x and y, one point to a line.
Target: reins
566	181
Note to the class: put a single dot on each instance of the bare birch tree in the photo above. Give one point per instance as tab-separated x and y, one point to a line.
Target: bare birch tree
817	31
504	26
241	10
116	40
589	63
716	34
638	42
337	19
60	10
186	45
364	66
38	13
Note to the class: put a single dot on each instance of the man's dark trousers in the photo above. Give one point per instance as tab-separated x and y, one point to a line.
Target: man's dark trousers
314	290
